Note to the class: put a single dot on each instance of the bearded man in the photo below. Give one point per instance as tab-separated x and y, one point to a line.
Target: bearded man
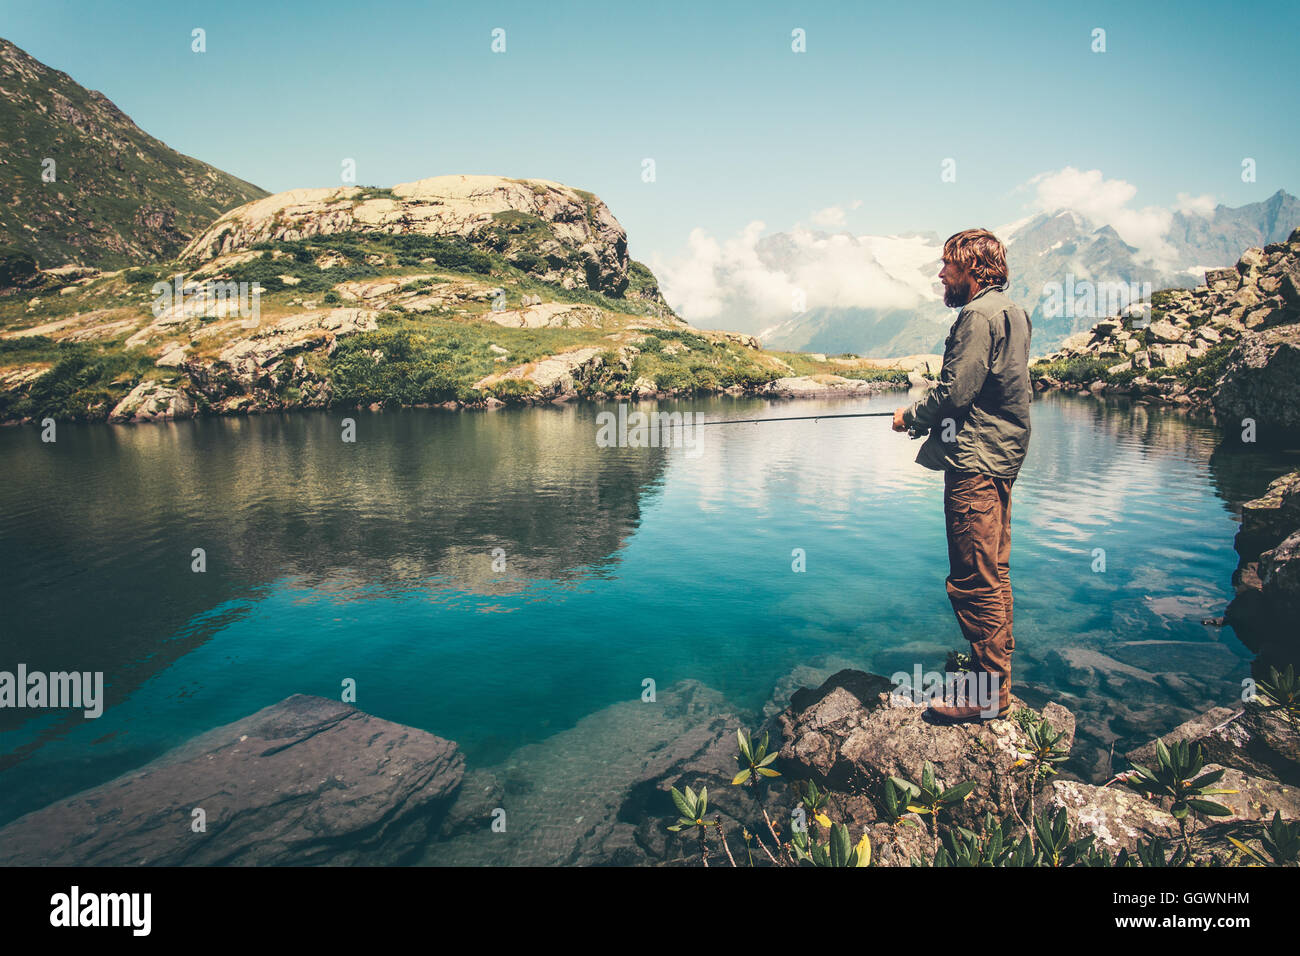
978	423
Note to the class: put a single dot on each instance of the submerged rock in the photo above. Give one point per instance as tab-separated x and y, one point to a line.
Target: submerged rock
305	781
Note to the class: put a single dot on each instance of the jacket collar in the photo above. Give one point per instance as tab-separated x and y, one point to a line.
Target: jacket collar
984	291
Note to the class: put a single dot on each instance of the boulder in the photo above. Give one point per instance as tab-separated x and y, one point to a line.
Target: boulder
1270	518
1117	817
1221	279
153	401
1261	380
1162	330
852	733
1262	744
1169	356
306	781
1192	730
1279	577
1120	818
556	376
1290	285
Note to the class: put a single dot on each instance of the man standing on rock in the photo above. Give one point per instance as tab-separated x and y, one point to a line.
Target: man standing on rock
978	419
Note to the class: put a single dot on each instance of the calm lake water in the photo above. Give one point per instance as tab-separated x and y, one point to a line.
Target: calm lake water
374	561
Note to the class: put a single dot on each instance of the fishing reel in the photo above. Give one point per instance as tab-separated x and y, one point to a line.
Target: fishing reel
917	431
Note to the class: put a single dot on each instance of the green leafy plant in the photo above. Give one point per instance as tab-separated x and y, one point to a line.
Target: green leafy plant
814	802
1281	693
1280	840
753	760
957	662
989	846
894	804
693	808
929	799
838	851
1178	780
1175	778
1042	749
1056	845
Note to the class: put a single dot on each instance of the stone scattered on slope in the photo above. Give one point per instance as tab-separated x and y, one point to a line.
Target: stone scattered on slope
1252	311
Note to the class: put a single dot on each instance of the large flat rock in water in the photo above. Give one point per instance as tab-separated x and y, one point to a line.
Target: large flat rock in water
305	781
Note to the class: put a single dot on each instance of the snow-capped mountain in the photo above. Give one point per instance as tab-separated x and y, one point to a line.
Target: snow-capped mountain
880	296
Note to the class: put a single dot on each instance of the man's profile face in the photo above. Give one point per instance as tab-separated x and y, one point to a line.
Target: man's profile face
958	285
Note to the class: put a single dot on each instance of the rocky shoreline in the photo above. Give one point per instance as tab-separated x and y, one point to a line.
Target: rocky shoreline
311	781
1231	345
459	292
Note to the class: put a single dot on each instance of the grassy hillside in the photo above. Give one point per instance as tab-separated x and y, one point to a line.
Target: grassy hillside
64	351
119	195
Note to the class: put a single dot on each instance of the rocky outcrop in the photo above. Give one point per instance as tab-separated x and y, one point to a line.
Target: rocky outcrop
1262	745
248	371
1233	343
553	377
152	401
560	234
302	782
265	358
850	735
810	385
1267	580
1261	382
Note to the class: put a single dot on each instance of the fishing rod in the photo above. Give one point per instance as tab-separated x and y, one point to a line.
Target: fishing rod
796	418
912	430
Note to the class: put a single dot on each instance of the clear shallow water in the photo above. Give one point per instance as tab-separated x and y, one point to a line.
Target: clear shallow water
373	561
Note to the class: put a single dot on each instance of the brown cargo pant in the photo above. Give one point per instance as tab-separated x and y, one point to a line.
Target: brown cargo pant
977	509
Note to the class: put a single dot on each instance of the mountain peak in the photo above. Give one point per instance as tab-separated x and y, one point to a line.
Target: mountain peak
94	188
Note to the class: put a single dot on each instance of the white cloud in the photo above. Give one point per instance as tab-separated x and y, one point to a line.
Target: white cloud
1106	202
830	217
833	217
730	279
1195	205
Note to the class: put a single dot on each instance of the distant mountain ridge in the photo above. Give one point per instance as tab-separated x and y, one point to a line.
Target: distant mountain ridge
119	195
1047	248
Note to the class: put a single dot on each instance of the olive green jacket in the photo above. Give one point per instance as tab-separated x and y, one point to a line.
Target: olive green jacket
978	414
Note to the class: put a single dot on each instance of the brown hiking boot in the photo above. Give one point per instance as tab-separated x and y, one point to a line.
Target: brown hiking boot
990	673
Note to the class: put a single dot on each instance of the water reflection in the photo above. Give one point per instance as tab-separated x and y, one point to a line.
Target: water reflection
327	558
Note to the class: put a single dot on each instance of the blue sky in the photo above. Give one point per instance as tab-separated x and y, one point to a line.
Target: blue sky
740	127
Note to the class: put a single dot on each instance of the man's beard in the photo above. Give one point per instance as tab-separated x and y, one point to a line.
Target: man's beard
956	296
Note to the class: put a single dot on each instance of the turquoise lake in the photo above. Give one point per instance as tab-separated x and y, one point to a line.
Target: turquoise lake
373	561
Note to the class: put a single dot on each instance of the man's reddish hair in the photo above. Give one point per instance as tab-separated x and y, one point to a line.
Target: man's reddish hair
978	252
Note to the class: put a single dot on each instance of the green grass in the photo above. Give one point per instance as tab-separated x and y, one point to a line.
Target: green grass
427	359
1202	372
1077	370
84	384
